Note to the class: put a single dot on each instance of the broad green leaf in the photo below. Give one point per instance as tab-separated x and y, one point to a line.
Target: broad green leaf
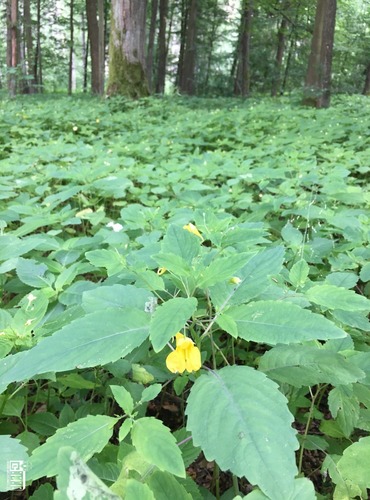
180	242
227	324
189	452
77	381
115	296
291	235
163	484
43	492
44	423
344	407
151	392
354	464
365	272
303	490
222	269
12	450
149	280
169	318
173	263
76	480
30	272
300	366
255	278
135	490
95	339
333	297
345	280
258	441
123	398
275	322
299	273
111	260
157	445
11	246
356	319
87	436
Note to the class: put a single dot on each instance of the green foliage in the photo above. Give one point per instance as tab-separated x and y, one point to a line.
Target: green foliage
244	226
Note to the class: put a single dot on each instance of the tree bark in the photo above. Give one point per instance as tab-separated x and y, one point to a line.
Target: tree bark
243	77
127	49
12	46
150	53
276	84
318	77
37	68
101	32
71	42
187	81
93	35
162	47
27	22
366	89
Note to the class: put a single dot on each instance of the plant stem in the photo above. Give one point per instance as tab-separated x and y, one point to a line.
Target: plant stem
307	428
236	485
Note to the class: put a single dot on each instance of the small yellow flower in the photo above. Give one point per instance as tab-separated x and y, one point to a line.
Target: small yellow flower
75	129
235	280
97	120
186	356
161	270
193	230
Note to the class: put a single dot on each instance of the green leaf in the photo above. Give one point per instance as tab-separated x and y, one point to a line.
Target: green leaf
258	441
292	235
354	464
227	324
11	450
365	272
344	407
333	297
303	490
162	484
45	423
120	296
222	269
274	322
87	435
300	366
345	280
32	273
77	381
150	393
135	490
173	263
299	273
96	339
157	445
123	398
180	242
169	318
76	480
111	260
255	278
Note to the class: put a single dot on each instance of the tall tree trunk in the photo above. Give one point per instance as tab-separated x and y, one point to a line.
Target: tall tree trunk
127	49
318	77
366	89
242	79
276	83
37	68
150	53
187	82
95	26
162	47
101	32
211	44
27	21
71	42
12	46
84	45
183	30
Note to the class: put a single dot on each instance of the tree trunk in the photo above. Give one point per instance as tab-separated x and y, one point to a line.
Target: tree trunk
93	34
366	89
162	47
27	21
318	77
37	68
127	49
84	45
276	84
242	79
12	46
101	32
71	41
183	29
187	82
150	54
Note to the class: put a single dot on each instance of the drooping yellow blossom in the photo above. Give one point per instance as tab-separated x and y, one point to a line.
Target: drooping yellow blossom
193	230
235	280
186	356
161	270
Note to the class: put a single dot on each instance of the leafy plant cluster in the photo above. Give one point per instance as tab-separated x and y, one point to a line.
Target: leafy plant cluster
99	272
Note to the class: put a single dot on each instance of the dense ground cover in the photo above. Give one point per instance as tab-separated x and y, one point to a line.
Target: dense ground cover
100	269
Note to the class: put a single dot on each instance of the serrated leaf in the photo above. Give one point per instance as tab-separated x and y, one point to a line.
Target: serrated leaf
76	480
299	273
87	435
292	235
161	483
344	407
30	272
227	324
97	338
258	441
173	263
157	445
11	450
255	278
345	280
306	366
110	259
121	296
354	464
222	269
151	392
275	322
180	242
333	297
365	272
169	318
123	398
135	490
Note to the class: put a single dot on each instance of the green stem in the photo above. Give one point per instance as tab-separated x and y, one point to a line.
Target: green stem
307	428
236	485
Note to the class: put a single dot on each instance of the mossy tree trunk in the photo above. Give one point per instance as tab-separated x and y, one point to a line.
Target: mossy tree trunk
127	49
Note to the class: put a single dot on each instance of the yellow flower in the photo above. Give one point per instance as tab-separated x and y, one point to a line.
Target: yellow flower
235	280
161	270
193	230
186	356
